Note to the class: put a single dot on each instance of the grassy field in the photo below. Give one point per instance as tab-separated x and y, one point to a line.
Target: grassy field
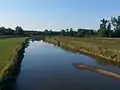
7	49
104	47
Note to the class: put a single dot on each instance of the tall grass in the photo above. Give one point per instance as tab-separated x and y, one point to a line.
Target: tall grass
108	48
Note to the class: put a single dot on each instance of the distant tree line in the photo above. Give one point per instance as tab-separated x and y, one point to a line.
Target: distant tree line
18	31
70	32
108	28
8	31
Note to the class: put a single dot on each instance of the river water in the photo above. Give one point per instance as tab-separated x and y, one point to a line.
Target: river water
48	67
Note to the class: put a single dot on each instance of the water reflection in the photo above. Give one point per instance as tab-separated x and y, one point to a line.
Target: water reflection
98	70
100	61
48	67
9	83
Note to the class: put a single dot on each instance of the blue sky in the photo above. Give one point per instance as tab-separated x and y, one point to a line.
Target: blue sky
56	14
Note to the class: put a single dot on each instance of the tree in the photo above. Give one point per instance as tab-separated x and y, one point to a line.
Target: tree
109	31
116	24
2	30
88	33
9	31
63	33
50	32
19	31
71	33
104	22
67	32
80	33
46	32
103	31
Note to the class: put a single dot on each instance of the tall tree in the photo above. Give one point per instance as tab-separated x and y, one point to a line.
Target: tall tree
67	32
46	32
104	22
19	30
116	24
50	32
103	31
109	31
2	30
71	33
63	33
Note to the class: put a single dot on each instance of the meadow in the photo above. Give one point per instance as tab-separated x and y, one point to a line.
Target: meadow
108	48
8	48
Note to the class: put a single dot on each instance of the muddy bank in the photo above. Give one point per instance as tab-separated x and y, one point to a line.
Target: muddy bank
81	50
98	70
11	70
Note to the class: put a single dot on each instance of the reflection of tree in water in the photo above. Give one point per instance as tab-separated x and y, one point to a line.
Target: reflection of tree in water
8	84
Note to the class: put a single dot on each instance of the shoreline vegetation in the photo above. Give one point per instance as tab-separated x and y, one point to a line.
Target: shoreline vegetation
7	70
105	48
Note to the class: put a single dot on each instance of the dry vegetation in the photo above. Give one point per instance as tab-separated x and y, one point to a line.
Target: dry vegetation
108	48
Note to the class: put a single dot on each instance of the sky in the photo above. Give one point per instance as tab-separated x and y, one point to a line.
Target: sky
56	14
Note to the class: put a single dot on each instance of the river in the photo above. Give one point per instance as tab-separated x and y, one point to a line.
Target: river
48	67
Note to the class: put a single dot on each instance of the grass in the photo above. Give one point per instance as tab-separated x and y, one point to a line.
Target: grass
7	49
105	47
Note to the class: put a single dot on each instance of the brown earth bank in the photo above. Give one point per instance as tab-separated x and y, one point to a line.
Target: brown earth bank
98	70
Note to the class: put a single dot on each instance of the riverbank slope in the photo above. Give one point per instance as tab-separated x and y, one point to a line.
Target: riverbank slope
107	48
10	52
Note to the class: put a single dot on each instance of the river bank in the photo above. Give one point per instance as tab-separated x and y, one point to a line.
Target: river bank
8	72
98	70
96	47
48	67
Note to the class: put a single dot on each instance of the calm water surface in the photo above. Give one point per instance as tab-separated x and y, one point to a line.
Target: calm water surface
48	67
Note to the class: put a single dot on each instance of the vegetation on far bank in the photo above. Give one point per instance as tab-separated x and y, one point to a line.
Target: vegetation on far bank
108	28
104	47
107	46
8	48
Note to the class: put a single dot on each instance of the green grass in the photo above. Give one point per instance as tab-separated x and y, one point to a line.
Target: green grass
107	47
7	49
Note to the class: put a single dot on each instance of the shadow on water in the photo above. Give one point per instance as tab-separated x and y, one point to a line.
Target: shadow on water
9	84
97	70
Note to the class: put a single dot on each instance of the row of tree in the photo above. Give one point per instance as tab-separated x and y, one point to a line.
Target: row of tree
8	31
78	33
71	32
108	28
